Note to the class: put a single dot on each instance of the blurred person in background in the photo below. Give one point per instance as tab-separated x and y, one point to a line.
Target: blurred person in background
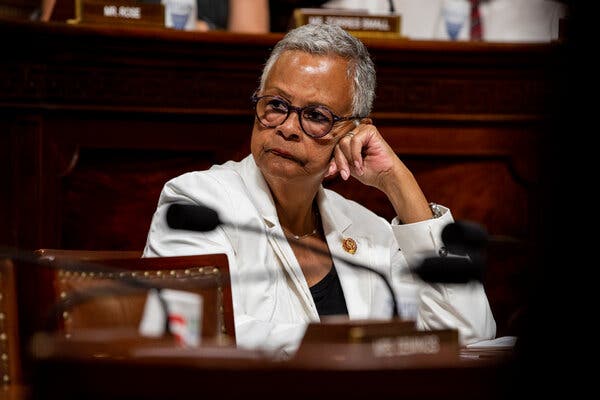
501	20
250	16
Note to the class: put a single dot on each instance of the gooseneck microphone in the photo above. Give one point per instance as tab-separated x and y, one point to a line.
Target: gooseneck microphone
199	218
463	238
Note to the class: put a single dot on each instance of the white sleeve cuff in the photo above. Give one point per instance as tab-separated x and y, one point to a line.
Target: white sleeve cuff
421	239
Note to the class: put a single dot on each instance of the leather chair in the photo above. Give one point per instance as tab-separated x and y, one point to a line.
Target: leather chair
74	293
108	289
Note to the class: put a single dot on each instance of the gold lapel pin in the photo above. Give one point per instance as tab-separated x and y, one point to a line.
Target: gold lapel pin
349	245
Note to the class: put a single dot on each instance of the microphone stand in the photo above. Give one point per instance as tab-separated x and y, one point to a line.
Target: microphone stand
459	237
249	228
203	219
392	9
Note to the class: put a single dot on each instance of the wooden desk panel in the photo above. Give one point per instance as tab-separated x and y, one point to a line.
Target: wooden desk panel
67	369
95	120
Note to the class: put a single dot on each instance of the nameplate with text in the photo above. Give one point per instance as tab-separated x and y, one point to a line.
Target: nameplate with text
358	23
376	340
119	12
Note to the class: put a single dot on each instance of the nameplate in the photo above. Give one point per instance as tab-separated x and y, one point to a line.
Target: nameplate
358	23
376	340
119	12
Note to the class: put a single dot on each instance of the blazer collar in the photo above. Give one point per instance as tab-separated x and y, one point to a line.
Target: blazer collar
258	190
338	227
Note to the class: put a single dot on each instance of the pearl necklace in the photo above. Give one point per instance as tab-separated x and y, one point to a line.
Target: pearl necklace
299	237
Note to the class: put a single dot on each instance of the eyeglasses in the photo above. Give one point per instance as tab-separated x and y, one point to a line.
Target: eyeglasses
315	120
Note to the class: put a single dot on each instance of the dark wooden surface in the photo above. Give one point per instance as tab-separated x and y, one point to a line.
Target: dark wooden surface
94	120
67	369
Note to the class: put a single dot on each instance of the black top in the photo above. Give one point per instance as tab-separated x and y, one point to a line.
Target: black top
329	296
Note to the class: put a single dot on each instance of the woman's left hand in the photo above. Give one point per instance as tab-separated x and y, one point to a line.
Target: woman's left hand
365	155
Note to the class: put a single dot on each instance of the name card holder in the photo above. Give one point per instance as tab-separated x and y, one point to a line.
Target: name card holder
376	342
360	24
119	12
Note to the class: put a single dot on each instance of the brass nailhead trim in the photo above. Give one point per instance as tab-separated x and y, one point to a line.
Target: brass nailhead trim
158	274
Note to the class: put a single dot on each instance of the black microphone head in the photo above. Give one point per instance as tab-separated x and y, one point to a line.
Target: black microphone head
464	237
192	217
449	270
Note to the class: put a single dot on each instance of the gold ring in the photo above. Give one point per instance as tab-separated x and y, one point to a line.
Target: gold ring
350	134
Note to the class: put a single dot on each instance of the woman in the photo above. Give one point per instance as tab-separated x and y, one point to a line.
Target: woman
312	108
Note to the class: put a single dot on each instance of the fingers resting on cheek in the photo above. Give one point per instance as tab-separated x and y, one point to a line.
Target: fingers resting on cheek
341	162
344	163
332	169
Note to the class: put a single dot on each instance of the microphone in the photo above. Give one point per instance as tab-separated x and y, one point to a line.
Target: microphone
449	270
464	238
199	218
194	217
461	238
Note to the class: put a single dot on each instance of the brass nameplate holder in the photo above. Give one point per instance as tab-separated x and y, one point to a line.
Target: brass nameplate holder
376	340
119	12
359	24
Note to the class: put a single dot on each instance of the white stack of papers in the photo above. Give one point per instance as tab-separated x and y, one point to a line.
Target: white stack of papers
498	343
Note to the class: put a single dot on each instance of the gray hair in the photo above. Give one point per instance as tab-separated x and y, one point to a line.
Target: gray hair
324	39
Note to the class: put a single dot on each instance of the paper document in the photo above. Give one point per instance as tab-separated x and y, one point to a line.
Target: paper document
501	342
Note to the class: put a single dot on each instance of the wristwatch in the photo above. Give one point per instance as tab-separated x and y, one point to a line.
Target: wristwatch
435	210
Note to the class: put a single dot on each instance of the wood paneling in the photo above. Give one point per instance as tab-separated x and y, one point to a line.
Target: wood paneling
96	119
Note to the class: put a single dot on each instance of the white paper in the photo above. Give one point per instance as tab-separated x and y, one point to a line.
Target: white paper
408	297
501	342
185	316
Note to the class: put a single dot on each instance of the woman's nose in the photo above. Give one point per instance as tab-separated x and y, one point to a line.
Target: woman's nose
291	128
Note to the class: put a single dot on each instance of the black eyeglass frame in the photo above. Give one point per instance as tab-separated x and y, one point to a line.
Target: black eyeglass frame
299	110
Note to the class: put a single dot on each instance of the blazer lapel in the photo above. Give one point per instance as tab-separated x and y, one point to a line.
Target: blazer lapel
261	195
339	227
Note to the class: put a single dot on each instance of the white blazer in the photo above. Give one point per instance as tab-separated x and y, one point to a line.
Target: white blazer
271	299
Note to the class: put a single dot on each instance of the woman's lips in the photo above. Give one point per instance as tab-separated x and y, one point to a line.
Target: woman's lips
285	154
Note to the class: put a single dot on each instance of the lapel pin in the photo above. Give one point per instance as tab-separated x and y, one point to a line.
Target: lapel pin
349	245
